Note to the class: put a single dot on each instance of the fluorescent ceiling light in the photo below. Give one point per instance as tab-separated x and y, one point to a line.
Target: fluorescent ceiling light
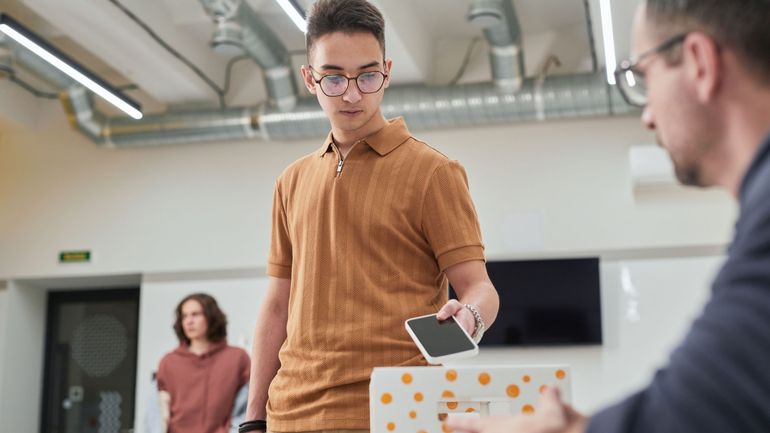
68	66
295	12
609	40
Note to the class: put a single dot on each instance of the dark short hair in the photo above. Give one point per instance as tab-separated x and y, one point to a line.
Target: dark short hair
347	16
741	25
215	318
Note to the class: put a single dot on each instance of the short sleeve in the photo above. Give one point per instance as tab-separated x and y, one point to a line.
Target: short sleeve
449	219
279	258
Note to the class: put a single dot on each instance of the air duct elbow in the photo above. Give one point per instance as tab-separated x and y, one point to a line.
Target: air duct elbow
500	25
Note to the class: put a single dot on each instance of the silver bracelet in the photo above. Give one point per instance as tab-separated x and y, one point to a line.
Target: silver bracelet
479	329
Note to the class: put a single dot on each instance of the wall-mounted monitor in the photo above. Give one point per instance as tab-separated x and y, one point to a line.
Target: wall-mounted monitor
546	303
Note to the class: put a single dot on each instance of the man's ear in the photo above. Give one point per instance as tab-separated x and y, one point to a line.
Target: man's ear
388	68
308	79
705	66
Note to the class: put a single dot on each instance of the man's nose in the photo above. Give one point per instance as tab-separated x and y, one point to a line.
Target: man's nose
352	94
648	120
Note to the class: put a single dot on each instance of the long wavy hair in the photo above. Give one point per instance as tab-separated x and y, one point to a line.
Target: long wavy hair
216	320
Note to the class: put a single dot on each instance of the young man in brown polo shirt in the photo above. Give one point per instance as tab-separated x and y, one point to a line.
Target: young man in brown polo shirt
366	232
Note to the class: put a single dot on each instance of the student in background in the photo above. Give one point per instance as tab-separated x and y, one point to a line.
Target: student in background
199	381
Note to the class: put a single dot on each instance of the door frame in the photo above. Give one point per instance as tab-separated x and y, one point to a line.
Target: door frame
53	299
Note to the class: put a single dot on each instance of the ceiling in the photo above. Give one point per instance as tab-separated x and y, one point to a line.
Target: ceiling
427	40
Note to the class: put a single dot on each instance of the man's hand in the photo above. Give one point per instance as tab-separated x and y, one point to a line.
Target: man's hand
455	308
551	416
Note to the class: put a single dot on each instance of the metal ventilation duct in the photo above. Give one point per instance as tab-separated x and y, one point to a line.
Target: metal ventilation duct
562	97
501	28
5	54
424	107
160	129
238	24
33	63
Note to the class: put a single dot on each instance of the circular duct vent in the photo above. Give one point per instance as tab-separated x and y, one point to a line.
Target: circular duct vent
227	38
484	14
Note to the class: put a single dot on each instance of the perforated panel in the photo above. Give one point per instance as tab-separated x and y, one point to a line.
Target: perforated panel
99	345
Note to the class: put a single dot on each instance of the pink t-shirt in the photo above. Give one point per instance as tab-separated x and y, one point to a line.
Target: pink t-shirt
203	387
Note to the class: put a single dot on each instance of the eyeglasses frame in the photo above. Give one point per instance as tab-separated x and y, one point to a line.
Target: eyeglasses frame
318	82
631	64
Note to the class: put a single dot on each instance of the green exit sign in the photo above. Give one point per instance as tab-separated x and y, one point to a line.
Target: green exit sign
75	256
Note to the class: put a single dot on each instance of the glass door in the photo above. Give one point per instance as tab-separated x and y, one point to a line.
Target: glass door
90	364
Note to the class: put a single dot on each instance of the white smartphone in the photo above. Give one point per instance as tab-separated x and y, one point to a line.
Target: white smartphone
440	340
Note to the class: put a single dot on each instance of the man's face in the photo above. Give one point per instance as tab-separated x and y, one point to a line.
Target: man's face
680	122
193	320
347	54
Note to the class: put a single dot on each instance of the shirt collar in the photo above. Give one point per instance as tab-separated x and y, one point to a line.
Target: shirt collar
383	141
214	347
763	153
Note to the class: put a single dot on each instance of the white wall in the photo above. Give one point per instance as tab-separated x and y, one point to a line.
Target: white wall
21	375
3	327
549	188
18	110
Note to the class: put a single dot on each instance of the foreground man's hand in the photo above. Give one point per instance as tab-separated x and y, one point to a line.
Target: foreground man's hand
551	416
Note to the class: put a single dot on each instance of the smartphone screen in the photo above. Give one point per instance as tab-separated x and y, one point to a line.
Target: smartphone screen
440	338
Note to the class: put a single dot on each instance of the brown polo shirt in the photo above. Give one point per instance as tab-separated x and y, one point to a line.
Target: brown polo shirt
365	241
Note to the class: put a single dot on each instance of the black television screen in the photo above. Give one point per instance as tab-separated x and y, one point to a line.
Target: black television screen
546	302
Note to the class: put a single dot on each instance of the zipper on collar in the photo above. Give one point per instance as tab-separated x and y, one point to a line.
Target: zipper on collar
341	159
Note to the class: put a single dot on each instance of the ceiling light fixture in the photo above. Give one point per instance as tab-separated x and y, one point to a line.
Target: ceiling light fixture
68	66
609	40
295	12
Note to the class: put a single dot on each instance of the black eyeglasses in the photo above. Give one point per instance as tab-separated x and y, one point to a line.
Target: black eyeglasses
337	84
631	81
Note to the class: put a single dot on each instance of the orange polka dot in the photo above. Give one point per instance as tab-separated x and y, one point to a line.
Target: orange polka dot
470	410
542	388
560	374
451	375
526	378
386	398
442	416
447	394
452	405
391	426
445	428
406	378
417	396
527	408
512	391
484	378
412	414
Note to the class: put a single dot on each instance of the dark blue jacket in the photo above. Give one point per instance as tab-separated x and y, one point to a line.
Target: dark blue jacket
718	379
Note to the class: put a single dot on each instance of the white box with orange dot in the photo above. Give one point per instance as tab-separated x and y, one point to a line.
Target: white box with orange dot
417	399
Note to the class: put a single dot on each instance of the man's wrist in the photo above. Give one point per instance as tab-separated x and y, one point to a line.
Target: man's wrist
579	424
479	327
253	425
